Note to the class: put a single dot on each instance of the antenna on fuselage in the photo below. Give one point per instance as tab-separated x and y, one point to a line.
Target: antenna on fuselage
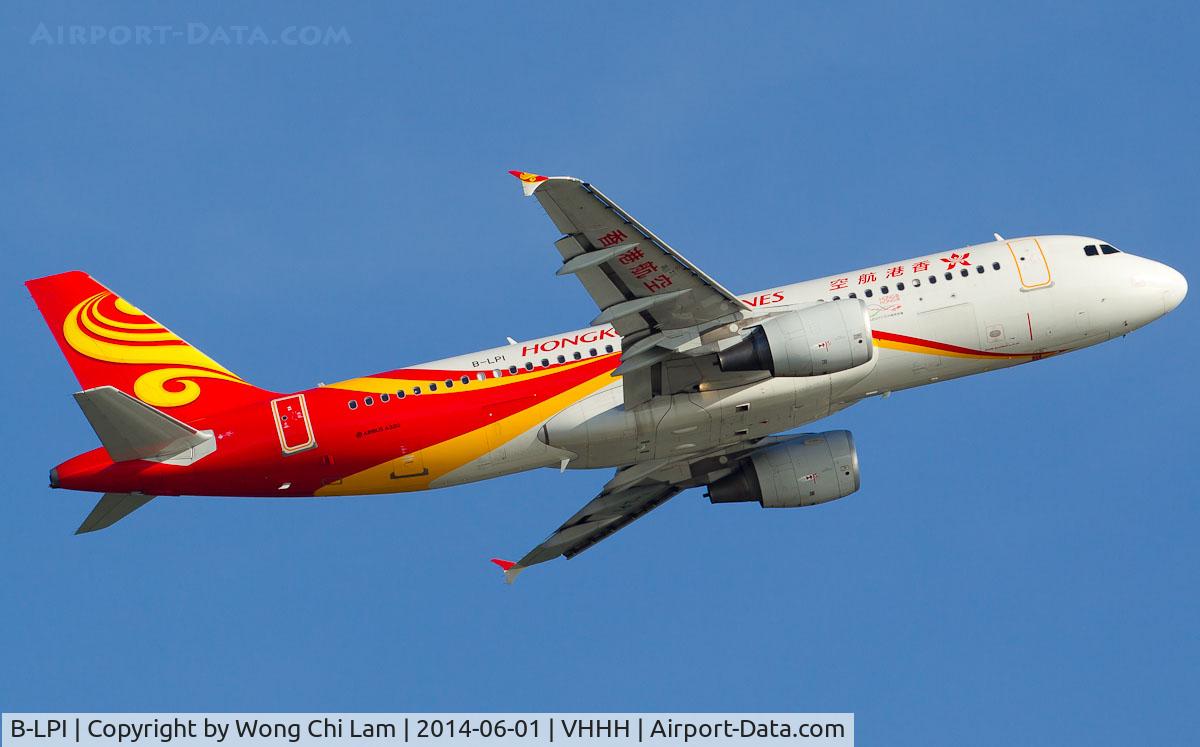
998	237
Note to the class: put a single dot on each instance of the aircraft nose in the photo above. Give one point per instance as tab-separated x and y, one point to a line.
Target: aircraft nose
1167	286
1176	287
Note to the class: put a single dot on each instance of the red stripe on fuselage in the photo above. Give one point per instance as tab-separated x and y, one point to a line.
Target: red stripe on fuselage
906	339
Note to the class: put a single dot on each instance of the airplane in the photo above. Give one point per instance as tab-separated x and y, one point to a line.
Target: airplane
677	382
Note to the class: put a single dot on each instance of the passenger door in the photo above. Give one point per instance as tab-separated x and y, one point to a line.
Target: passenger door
292	425
1033	270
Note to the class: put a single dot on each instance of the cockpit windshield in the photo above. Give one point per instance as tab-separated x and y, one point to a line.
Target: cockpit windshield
1092	250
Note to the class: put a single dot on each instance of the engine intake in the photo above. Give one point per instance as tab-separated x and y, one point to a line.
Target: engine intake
802	471
822	339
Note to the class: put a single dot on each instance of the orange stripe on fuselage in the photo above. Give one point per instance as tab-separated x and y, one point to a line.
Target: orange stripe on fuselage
472	440
894	341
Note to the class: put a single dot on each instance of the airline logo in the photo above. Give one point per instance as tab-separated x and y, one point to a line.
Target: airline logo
105	327
529	182
608	333
528	178
955	259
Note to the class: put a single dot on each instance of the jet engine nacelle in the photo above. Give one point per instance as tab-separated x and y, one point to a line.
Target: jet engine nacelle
822	339
802	471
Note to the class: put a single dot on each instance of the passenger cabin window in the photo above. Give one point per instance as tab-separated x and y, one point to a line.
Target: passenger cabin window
512	370
979	269
608	348
465	380
400	394
932	279
868	293
949	275
416	390
384	397
562	359
900	286
545	362
964	272
1090	250
368	401
852	296
449	383
528	365
1109	249
352	404
432	387
995	265
916	283
576	355
883	291
837	298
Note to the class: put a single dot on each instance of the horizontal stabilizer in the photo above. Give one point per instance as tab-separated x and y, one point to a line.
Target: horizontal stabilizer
130	429
112	508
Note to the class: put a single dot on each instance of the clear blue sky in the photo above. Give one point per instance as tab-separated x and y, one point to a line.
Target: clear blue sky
1020	565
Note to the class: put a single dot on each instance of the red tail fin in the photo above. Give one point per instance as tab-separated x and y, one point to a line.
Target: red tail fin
108	341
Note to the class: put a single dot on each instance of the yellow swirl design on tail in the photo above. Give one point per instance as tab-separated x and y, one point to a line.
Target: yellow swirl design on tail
151	388
90	332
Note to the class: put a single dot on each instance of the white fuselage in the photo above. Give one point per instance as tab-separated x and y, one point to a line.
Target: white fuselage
934	318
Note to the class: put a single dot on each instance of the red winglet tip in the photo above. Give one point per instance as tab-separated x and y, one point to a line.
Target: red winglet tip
529	178
504	564
529	182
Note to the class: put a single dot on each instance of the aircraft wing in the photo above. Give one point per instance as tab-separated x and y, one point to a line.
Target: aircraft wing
657	300
632	493
603	516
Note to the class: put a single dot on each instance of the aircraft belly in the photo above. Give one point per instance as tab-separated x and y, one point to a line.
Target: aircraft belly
685	428
520	453
686	423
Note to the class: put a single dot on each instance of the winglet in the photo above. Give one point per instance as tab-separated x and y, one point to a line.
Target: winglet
529	182
511	569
